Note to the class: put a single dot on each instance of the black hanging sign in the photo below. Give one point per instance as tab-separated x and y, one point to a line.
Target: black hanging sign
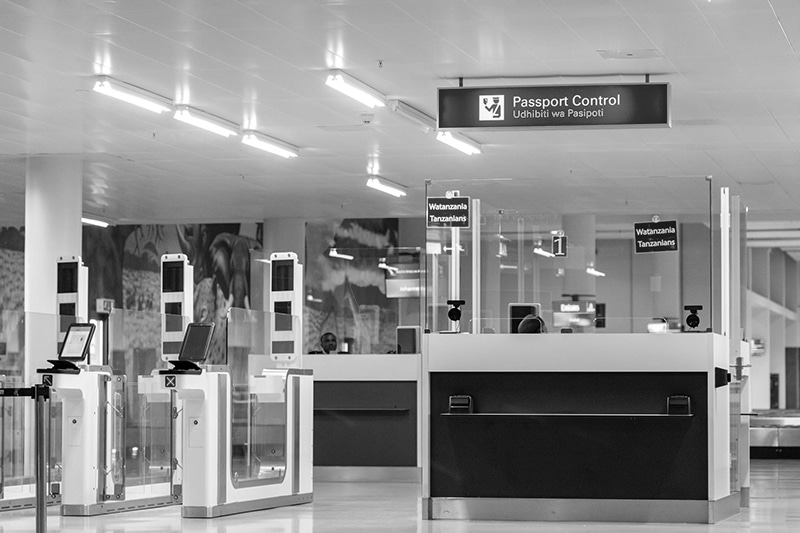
619	105
659	236
444	212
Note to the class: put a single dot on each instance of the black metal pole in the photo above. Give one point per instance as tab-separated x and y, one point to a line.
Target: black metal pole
40	397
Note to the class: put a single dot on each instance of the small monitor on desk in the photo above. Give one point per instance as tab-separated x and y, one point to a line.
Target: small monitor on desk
196	342
76	343
194	349
74	349
407	339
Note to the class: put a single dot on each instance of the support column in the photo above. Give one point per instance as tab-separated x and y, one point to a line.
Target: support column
280	235
53	208
286	235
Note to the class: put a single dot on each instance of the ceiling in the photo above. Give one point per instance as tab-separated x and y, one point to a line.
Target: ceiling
732	66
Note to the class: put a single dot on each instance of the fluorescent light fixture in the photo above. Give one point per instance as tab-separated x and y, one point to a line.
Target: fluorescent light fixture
132	95
273	146
94	222
591	270
355	89
205	121
502	249
389	187
544	253
413	115
450	248
459	142
335	253
382	264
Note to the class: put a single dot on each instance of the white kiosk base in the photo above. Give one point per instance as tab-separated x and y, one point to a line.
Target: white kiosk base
264	477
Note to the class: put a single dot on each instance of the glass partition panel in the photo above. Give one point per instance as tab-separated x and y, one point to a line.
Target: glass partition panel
735	428
55	432
358	296
588	256
11	410
149	438
17	438
142	428
134	342
2	437
744	275
12	341
739	387
259	396
116	399
13	479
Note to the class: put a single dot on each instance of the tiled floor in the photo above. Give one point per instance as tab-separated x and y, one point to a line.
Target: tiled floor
394	507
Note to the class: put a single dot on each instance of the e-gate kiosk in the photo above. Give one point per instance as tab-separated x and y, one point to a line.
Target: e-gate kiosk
94	414
71	305
177	308
258	457
82	389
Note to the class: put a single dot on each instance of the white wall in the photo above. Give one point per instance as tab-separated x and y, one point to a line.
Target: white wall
772	316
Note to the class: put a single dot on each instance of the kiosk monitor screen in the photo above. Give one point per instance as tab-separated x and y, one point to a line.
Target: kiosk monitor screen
282	275
76	342
67	281
172	276
196	342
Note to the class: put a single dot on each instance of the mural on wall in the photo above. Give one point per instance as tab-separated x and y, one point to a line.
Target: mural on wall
12	273
347	297
12	292
124	264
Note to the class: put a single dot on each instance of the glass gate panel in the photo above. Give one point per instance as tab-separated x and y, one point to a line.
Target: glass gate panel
259	435
143	430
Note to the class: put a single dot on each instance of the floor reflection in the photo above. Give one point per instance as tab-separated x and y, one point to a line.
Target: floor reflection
395	507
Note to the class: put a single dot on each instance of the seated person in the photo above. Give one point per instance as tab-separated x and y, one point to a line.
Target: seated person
532	324
327	342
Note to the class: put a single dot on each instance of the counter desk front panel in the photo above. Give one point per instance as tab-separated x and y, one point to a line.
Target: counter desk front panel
577	428
365	423
366	420
569	435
